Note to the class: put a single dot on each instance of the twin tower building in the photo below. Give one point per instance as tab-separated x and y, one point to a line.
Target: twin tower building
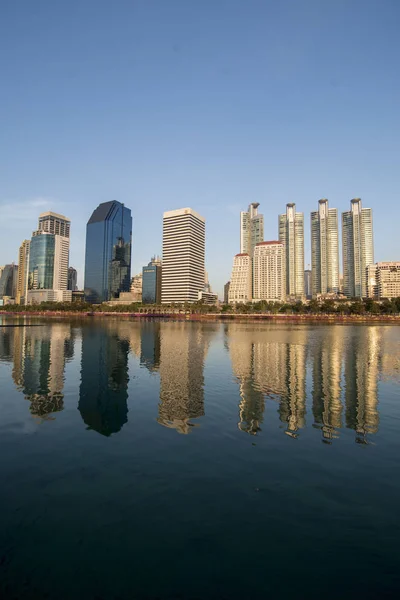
274	270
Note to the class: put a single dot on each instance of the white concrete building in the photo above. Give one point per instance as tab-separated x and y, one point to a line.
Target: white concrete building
240	289
269	281
183	256
324	249
383	280
358	249
291	234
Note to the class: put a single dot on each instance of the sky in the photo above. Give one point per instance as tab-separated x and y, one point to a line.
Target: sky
208	104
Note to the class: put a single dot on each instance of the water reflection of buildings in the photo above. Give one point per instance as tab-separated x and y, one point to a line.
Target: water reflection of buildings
40	354
361	372
103	392
327	356
269	362
183	350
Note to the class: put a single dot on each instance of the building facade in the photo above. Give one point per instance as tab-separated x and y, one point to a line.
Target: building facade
23	269
72	279
308	284
108	252
151	282
226	292
49	258
9	281
183	256
358	249
240	289
324	249
136	288
383	280
291	235
251	229
269	281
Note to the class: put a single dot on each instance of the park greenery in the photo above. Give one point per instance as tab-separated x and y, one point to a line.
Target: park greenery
355	306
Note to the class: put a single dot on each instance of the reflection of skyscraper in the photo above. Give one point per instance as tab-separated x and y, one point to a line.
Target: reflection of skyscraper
327	355
150	345
183	350
275	368
103	392
39	363
361	381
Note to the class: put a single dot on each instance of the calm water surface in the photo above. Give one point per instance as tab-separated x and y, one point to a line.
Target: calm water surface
199	460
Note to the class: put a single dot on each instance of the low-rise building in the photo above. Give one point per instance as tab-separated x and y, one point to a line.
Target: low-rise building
39	296
383	280
208	297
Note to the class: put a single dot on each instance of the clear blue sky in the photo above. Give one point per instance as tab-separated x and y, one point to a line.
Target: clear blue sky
211	104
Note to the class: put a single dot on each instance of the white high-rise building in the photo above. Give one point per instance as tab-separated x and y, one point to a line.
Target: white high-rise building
269	281
324	249
291	234
240	288
23	269
183	256
358	249
251	229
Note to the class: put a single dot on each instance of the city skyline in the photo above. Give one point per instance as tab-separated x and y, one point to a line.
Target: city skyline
199	119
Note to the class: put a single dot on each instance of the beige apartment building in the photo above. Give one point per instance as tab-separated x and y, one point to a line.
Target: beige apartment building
240	289
383	280
269	281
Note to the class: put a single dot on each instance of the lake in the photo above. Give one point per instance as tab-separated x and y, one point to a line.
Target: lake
170	459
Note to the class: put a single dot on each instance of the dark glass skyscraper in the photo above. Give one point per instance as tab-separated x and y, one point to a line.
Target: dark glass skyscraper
108	252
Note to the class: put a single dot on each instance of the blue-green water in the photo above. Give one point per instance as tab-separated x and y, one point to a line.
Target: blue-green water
199	460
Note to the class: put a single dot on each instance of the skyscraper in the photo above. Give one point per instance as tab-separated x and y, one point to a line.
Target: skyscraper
183	256
324	249
23	268
291	234
358	249
48	259
151	282
251	229
8	281
269	282
108	252
72	279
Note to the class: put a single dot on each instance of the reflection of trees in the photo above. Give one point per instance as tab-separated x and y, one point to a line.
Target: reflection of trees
183	349
103	391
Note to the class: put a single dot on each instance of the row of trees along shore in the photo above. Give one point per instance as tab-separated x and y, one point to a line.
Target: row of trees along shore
313	307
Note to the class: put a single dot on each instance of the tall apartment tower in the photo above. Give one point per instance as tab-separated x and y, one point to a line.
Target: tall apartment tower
183	256
269	282
108	252
324	249
358	249
23	269
291	234
251	229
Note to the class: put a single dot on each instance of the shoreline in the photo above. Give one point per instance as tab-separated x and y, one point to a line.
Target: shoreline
319	318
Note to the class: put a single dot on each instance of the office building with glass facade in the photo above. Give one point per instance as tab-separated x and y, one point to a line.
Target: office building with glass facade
151	282
358	248
108	252
8	281
41	261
